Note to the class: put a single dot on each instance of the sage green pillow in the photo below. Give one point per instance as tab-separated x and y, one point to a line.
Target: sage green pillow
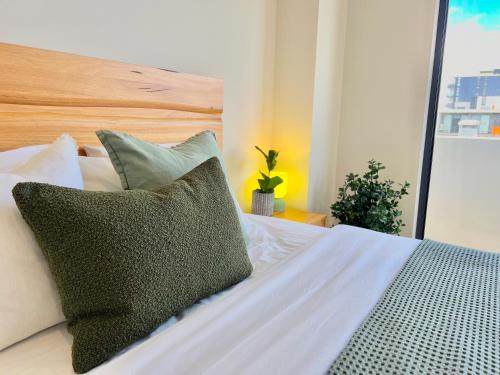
144	165
124	262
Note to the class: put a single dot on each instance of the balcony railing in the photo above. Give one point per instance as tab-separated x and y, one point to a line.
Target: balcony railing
464	195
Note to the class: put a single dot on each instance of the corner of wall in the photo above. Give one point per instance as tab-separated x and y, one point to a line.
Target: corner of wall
295	59
325	129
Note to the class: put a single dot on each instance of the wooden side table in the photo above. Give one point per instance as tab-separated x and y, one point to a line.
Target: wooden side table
302	217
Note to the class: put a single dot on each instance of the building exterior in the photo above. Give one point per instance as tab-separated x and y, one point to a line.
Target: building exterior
473	107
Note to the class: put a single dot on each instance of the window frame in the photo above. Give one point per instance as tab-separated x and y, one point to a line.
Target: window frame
432	116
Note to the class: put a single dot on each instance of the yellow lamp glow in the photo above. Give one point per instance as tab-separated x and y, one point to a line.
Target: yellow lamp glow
281	189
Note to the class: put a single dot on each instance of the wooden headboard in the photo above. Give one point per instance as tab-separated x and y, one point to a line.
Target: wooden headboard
46	93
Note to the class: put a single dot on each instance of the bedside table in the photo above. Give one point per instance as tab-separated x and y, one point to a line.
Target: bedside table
302	217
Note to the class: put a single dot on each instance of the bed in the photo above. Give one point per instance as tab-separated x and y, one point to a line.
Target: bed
315	293
275	244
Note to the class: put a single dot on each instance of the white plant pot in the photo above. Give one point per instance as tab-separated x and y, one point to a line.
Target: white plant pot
262	203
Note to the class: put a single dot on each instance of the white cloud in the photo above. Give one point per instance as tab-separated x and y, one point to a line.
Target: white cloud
469	49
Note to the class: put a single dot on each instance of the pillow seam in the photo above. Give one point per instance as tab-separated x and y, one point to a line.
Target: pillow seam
195	136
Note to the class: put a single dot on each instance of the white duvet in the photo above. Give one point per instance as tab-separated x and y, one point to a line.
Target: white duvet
310	290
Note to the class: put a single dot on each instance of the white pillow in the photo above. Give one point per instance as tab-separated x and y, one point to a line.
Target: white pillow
98	174
12	158
29	301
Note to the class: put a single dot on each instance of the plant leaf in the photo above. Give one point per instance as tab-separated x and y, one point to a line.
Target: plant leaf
274	181
370	203
262	152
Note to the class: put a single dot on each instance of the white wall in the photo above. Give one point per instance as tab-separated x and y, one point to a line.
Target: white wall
351	83
229	39
330	44
385	84
296	25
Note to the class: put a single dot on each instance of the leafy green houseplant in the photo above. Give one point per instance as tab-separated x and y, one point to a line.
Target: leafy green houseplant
263	198
370	203
267	183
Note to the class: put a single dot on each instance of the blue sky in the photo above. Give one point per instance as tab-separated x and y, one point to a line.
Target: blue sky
486	13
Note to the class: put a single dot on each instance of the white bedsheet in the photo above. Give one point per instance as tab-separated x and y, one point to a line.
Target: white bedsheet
311	288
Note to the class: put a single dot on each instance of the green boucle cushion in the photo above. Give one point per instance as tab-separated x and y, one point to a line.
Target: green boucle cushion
124	262
144	165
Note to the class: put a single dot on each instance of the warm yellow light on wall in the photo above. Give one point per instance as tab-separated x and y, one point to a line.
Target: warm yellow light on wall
281	189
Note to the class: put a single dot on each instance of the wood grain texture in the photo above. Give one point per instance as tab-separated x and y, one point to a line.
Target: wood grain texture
302	217
46	93
23	125
40	77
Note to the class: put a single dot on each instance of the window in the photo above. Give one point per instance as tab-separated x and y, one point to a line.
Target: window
460	185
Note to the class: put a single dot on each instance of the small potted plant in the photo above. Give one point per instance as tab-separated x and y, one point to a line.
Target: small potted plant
263	198
369	203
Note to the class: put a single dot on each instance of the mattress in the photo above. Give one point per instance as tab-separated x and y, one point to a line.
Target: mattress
49	352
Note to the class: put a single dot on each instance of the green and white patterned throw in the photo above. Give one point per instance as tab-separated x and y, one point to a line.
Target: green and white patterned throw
441	315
